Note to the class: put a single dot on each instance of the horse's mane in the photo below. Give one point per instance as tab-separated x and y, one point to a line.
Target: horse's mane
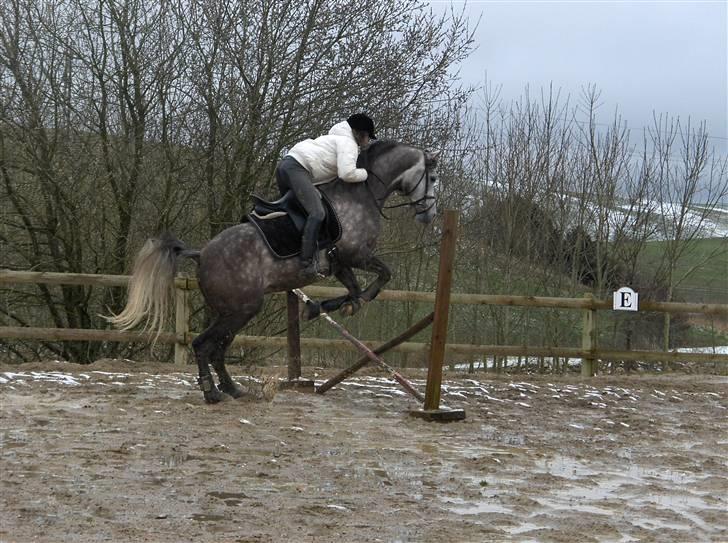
374	151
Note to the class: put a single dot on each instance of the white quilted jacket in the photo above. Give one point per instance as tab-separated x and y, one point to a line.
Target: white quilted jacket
330	156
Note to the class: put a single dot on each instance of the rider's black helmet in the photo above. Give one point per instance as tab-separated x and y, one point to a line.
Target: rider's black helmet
362	122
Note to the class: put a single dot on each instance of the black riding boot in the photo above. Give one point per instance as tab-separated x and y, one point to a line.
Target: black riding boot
309	249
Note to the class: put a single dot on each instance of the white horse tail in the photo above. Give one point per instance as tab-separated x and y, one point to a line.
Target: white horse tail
152	284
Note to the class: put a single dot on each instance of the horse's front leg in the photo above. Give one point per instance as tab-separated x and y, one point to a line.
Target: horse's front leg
347	278
373	264
356	299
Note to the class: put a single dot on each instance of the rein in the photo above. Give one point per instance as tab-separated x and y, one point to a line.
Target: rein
377	202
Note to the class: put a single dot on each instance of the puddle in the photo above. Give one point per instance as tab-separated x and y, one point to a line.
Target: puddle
429	448
657	524
574	505
175	459
230	498
565	467
570	468
465	507
201	517
682	506
522	528
12	444
642	486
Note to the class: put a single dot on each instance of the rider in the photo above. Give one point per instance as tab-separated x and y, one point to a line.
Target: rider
315	161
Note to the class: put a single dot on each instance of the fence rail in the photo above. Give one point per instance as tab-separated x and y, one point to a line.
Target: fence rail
188	283
182	336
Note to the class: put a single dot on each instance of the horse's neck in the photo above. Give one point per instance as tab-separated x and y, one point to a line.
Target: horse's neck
374	191
342	194
380	182
387	169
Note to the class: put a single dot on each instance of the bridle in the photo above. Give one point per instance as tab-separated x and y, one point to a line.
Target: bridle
380	201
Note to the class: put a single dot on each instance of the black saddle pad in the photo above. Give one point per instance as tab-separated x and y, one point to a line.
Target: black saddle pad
283	235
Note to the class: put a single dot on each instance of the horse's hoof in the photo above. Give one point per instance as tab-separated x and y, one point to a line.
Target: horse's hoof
311	310
209	390
232	389
213	396
350	308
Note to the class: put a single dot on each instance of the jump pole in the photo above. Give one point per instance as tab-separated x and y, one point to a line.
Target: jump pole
366	351
364	360
432	410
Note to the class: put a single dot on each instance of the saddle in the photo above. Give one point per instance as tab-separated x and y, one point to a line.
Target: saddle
280	224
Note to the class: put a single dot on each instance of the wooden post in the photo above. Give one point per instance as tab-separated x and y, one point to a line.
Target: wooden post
294	349
181	321
588	338
294	337
431	410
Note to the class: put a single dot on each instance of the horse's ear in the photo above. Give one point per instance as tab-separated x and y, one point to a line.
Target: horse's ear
432	156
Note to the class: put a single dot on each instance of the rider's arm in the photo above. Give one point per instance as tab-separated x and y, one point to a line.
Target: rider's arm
346	154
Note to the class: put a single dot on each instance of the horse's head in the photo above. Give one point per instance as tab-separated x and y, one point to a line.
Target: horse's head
418	184
406	170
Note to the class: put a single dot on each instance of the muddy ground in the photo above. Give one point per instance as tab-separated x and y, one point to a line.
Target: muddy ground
119	451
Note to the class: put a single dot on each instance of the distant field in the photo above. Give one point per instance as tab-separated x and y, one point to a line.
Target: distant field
708	282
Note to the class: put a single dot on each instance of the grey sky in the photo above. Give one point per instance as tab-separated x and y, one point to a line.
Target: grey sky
663	56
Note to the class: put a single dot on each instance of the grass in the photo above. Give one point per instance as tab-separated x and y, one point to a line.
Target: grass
701	336
705	261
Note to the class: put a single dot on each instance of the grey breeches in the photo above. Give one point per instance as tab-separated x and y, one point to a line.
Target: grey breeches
290	175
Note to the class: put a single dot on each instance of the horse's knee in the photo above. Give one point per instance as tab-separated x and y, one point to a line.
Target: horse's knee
385	275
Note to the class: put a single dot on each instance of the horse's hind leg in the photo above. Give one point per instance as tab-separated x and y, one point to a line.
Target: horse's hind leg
227	385
206	347
203	345
210	347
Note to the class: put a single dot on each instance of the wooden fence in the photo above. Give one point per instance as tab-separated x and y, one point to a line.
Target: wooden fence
182	337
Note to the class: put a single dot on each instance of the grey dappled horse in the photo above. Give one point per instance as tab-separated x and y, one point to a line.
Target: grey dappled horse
236	269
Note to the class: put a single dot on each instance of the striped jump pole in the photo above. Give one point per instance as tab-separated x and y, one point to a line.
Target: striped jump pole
411	390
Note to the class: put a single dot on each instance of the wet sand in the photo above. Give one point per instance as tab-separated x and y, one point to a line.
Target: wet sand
119	451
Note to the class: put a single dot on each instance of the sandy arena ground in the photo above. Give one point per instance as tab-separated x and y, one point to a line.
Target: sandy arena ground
126	452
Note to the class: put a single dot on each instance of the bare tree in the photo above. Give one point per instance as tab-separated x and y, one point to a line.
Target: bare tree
121	118
691	181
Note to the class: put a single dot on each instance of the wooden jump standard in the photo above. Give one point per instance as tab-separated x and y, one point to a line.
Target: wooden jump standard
431	410
295	382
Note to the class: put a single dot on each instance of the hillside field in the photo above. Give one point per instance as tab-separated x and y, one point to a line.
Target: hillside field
704	266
